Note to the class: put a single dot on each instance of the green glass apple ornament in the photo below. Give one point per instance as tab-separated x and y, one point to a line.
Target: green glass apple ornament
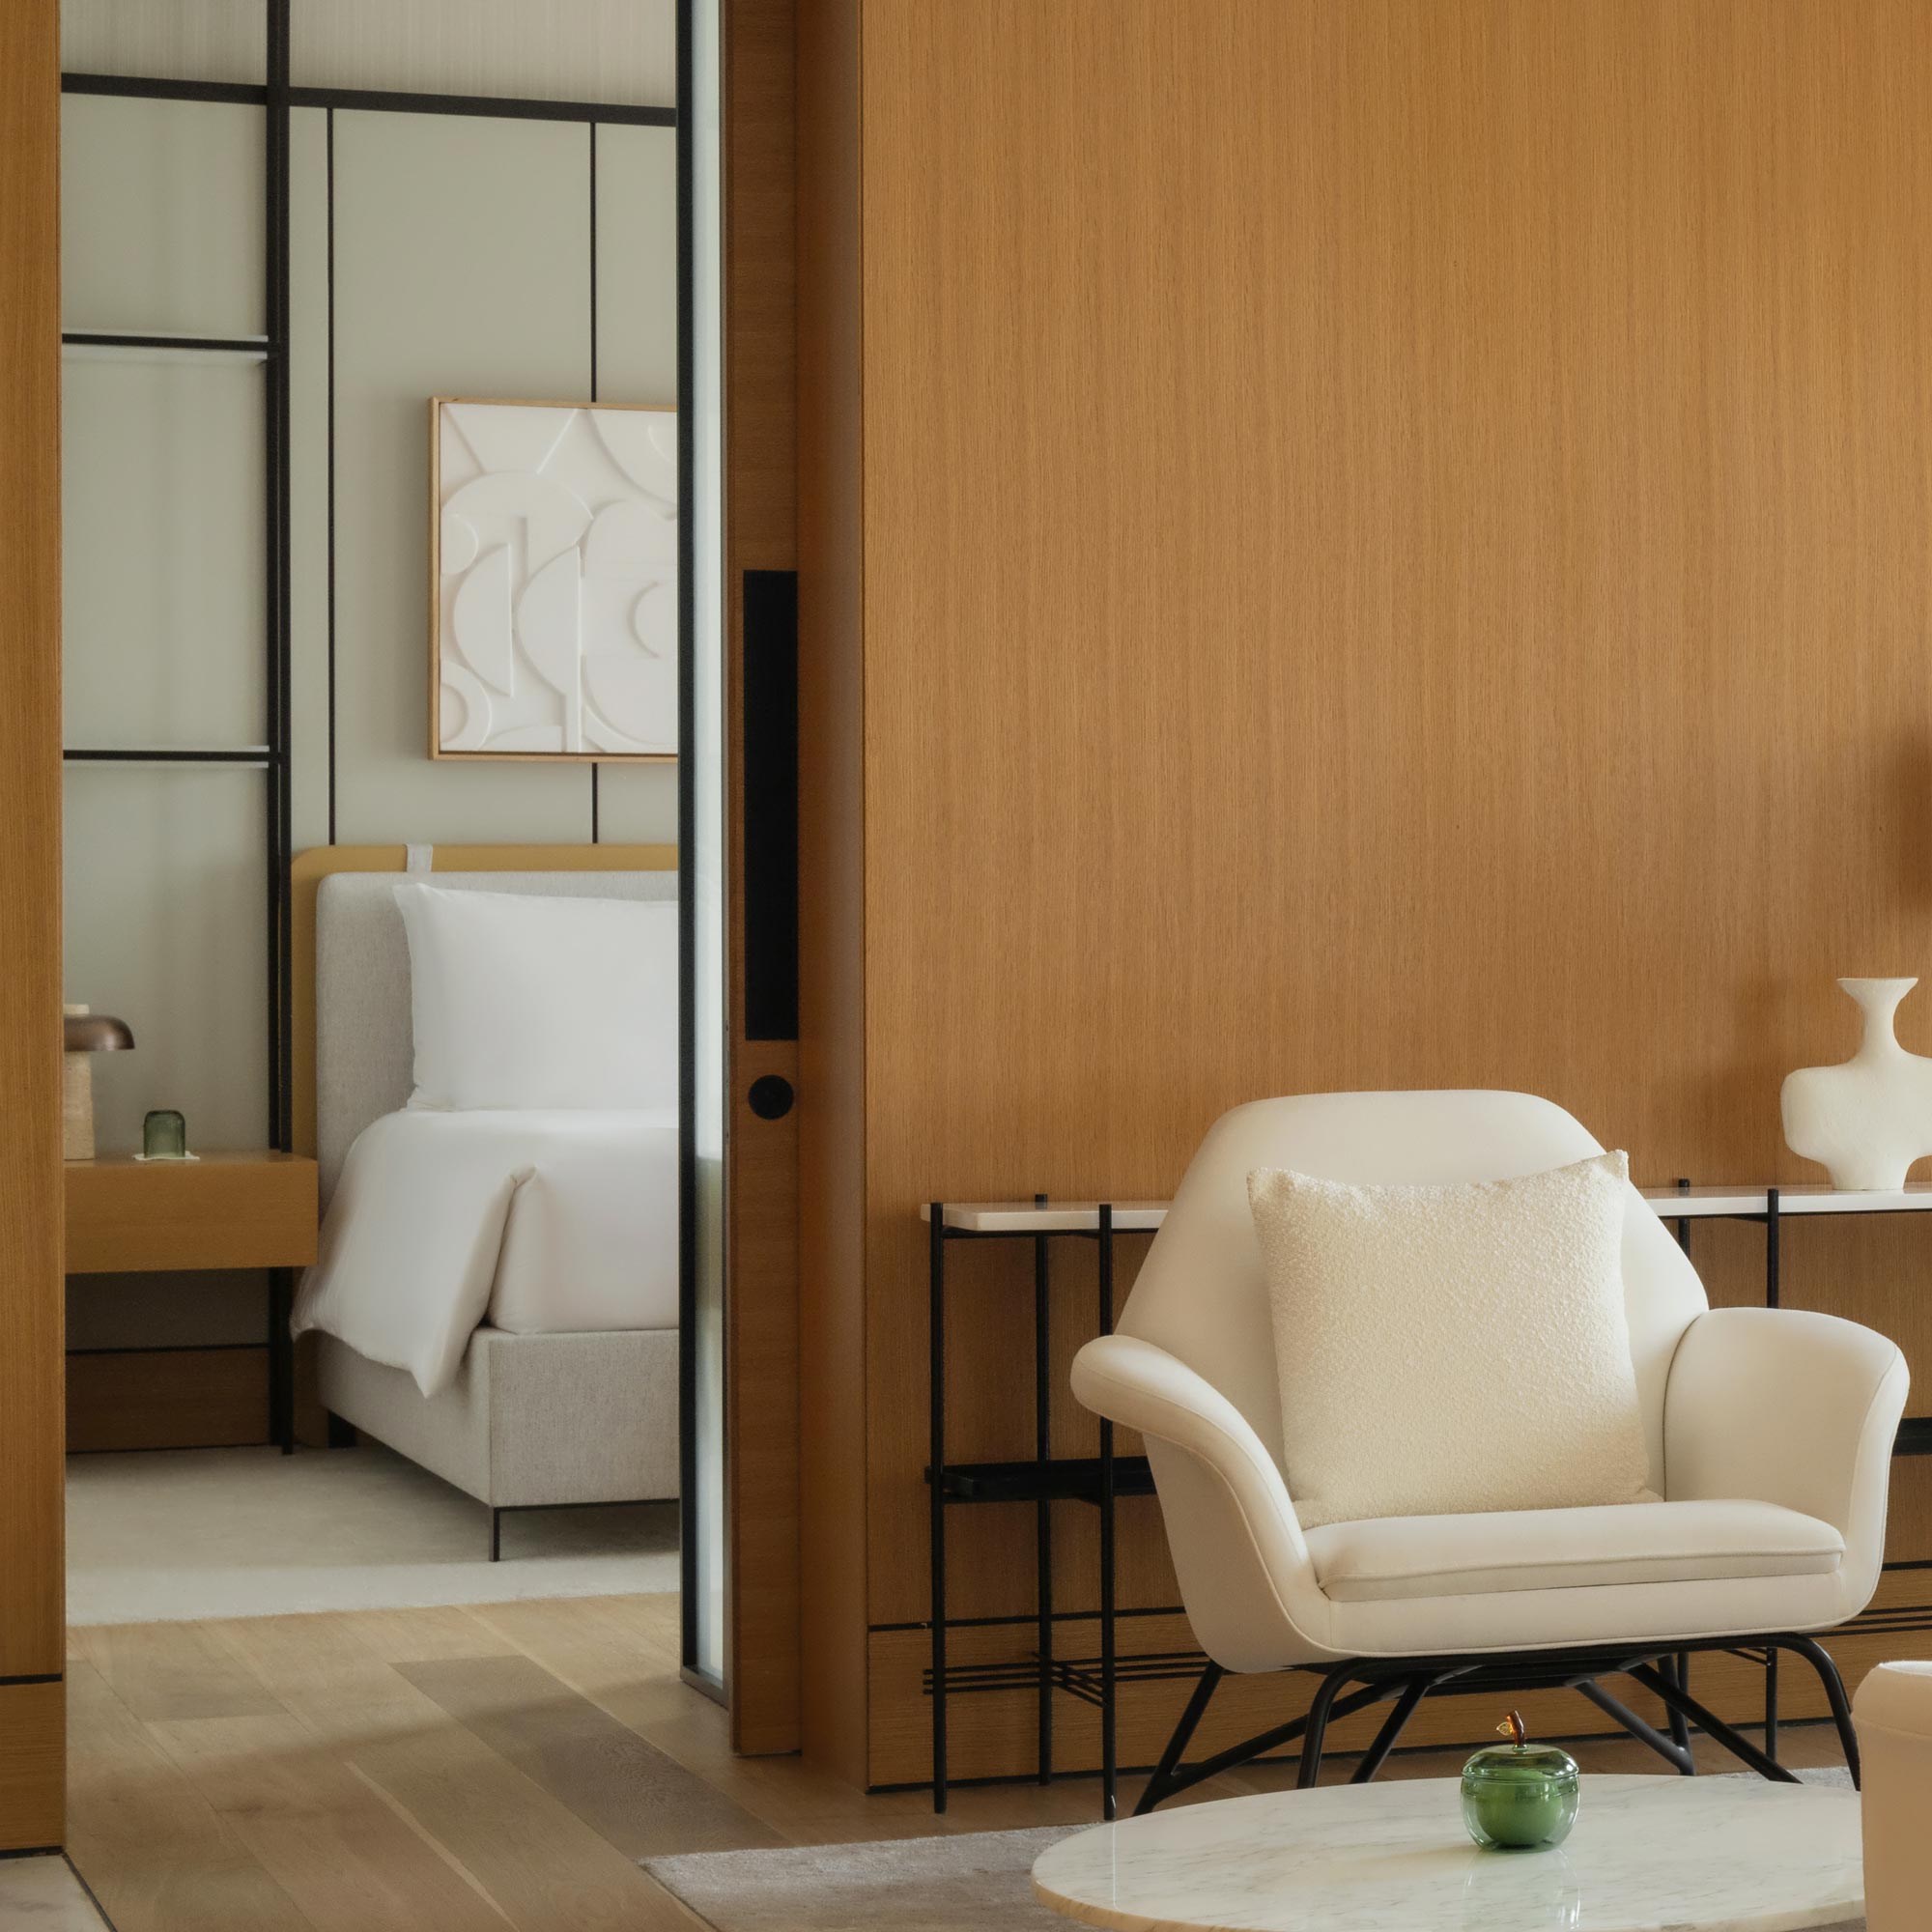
1520	1796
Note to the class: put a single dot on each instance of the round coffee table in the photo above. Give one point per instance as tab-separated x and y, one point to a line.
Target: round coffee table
1647	1855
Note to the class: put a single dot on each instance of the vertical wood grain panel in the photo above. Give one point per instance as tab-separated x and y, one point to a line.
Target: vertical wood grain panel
33	1765
832	904
762	486
31	1314
1392	554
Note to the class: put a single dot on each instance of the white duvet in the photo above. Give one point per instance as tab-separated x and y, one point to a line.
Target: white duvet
540	1223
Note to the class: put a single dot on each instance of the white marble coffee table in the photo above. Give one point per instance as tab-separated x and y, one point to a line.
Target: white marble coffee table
1647	1855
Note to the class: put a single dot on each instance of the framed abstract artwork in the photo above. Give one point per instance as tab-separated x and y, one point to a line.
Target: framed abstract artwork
553	581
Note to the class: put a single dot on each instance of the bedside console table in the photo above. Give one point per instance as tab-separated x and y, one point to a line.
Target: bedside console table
246	1209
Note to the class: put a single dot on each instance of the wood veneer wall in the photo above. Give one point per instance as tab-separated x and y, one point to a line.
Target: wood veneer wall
32	1641
762	484
1343	547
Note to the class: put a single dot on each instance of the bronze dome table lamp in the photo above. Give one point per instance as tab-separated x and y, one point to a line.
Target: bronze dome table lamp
83	1034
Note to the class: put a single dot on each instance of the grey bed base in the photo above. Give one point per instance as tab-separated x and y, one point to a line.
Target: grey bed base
531	1421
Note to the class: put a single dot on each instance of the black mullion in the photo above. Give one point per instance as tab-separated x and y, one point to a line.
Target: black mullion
193	345
369	99
329	148
143	87
81	756
277	537
484	106
595	769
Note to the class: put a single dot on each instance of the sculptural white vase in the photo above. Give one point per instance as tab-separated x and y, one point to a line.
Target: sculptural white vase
1870	1118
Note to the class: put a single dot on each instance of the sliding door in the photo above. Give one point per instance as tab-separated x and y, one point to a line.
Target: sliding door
703	834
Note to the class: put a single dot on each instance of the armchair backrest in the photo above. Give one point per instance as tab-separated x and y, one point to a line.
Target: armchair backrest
1200	1293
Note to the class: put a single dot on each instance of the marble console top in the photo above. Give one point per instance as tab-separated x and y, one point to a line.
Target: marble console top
1647	1855
1062	1217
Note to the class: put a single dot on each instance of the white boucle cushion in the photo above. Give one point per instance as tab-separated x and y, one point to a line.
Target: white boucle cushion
1452	1348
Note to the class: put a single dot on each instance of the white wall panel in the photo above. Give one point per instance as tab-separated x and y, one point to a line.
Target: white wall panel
637	265
636	362
619	50
160	216
173	40
163	576
462	268
638	805
165	925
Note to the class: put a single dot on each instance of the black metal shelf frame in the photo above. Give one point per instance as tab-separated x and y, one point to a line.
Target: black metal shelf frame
1097	1480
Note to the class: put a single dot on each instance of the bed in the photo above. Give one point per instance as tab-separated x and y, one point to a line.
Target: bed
519	1418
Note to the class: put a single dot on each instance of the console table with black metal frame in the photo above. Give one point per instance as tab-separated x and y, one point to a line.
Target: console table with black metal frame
1044	1479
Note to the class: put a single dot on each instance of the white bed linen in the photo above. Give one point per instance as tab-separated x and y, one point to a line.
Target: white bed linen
542	1222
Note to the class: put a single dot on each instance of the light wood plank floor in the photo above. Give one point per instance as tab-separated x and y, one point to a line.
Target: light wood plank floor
439	1769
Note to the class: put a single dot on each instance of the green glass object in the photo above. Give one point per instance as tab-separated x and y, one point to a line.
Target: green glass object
1520	1796
164	1136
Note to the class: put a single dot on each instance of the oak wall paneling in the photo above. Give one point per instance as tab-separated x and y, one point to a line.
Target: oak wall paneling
31	1311
1359	547
833	1372
761	534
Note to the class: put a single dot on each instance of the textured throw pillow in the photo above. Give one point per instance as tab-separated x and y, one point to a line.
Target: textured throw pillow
1455	1348
519	1000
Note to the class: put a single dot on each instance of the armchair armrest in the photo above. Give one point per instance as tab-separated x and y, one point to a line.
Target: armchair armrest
1783	1406
1243	1565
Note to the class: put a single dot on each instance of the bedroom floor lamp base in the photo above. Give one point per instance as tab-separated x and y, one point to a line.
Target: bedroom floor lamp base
1663	1671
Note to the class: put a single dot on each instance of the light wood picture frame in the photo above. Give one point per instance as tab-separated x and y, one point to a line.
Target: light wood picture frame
553	582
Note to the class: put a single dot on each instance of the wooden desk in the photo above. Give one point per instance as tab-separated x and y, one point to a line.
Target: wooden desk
242	1210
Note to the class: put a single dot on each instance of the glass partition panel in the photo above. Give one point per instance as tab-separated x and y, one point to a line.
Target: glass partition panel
703	835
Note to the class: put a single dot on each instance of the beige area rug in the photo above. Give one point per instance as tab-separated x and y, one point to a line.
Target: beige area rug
972	1881
165	1536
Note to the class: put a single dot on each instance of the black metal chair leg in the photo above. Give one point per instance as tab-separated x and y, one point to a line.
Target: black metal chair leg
1711	1724
1771	1701
1158	1785
1393	1727
495	1534
1819	1658
1318	1724
1680	1731
1677	1755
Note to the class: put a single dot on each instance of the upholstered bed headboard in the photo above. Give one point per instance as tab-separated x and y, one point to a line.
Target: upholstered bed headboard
354	1047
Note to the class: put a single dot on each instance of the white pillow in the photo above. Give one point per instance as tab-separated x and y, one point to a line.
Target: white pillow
524	1000
1452	1348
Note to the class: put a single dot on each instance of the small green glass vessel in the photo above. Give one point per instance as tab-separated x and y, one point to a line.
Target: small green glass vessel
1520	1796
164	1136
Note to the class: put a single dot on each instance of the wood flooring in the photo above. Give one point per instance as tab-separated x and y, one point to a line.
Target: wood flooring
450	1769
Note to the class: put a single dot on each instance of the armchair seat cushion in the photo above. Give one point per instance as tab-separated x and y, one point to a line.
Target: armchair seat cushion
1384	1559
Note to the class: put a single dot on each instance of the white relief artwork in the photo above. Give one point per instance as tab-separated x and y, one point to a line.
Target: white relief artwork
557	579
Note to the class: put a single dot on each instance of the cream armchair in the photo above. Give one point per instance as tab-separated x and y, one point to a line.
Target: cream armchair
1769	1434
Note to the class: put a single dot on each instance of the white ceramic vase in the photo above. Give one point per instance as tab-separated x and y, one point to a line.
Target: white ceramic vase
1870	1118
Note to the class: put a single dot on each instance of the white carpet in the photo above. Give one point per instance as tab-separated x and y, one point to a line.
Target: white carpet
164	1536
